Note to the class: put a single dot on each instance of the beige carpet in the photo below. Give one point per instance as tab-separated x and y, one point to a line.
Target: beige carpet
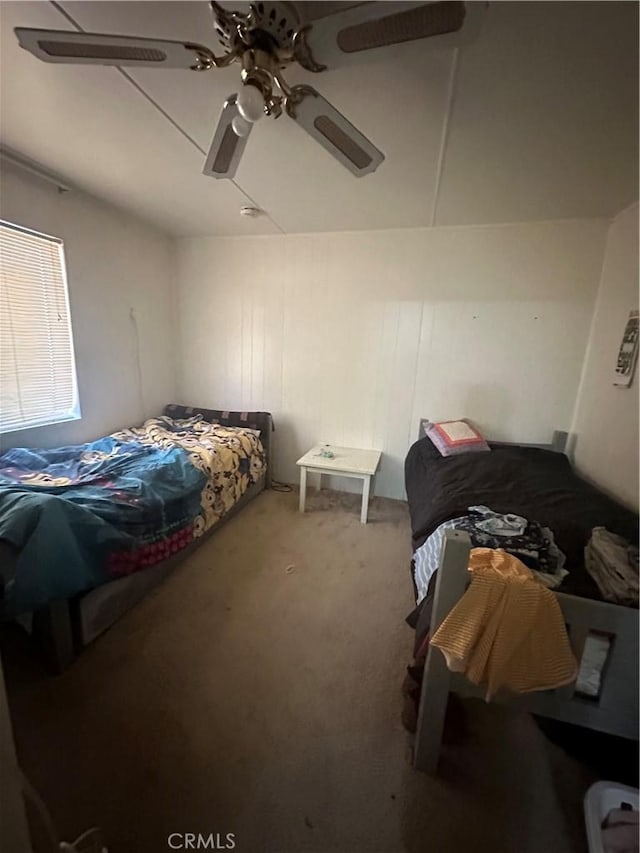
248	697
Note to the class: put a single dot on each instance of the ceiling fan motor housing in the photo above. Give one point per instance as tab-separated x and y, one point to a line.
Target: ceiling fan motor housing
275	27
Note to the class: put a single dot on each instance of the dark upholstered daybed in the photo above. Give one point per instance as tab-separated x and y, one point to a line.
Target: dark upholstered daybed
535	482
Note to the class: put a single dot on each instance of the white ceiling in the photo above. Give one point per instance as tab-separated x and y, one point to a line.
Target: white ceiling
537	119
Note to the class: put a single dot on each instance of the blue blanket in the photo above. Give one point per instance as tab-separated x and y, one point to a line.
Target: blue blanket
73	512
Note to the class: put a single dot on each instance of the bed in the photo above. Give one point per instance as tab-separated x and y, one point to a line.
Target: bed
86	532
536	482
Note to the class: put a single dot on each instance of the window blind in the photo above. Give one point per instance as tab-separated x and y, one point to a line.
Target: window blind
37	367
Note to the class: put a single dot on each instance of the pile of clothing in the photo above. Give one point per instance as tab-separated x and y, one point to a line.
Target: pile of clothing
506	598
529	541
613	564
507	632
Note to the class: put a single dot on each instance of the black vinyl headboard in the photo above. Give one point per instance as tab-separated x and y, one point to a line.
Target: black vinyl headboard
250	420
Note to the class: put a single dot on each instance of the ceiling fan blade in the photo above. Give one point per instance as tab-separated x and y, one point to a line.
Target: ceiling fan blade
340	38
94	49
431	19
313	10
335	133
226	147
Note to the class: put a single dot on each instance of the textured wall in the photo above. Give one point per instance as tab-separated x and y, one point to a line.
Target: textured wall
115	263
351	338
606	420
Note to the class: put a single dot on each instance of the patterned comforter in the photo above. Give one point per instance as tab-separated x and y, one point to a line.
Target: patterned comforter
80	516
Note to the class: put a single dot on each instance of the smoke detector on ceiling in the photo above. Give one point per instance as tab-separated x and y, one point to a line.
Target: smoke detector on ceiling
250	211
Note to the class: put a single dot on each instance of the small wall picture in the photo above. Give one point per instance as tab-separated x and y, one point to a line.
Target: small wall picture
628	353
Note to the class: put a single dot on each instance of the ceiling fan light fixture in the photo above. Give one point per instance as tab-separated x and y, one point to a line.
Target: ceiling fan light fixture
250	103
241	126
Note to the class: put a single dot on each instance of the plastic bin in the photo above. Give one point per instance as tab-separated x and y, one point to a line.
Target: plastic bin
598	802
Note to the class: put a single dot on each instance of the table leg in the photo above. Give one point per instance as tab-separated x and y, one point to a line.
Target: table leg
366	484
303	487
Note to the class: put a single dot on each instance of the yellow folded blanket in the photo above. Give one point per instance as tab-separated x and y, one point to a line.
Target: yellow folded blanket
507	630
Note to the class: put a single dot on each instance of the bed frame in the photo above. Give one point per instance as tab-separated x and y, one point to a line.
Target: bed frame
614	711
64	627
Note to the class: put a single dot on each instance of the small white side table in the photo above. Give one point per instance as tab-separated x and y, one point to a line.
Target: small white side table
346	462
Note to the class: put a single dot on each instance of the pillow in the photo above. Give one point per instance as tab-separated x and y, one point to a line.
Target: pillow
454	437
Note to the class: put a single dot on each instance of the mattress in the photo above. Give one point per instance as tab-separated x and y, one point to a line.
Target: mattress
539	485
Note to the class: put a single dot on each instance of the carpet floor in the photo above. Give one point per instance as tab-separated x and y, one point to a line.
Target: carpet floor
257	692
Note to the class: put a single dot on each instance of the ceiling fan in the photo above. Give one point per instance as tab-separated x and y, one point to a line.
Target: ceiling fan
265	40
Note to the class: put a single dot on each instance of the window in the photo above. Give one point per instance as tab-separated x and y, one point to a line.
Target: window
37	366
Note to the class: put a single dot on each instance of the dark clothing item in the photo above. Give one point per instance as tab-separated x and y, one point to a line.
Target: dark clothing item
420	619
535	547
